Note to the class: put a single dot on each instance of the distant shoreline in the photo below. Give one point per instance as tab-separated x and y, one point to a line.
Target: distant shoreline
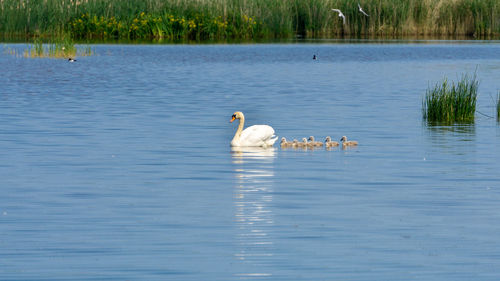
197	20
292	40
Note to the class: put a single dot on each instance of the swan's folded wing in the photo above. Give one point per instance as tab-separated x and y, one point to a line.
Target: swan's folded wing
257	135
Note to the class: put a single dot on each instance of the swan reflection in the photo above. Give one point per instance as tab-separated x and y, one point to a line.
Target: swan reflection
253	196
240	154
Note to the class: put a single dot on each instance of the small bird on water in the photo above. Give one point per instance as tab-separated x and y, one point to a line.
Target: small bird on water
315	143
346	143
71	60
329	143
285	144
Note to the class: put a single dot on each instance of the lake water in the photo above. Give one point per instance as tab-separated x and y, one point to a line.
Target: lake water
118	166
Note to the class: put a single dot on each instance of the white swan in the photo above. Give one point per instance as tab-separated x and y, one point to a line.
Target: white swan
256	135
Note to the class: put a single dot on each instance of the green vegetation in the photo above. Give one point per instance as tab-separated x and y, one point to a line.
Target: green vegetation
165	26
455	104
57	49
221	19
498	107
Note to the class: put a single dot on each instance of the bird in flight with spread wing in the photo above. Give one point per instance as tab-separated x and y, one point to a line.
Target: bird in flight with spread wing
341	15
361	10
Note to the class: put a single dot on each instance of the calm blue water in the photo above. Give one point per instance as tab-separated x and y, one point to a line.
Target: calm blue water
118	166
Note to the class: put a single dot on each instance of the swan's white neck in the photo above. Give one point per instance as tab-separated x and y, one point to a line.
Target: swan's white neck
236	139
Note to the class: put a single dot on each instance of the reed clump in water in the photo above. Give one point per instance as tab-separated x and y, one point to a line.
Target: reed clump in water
207	19
58	49
498	107
455	103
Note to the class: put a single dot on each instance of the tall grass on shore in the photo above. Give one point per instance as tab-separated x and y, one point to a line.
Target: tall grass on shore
201	19
447	104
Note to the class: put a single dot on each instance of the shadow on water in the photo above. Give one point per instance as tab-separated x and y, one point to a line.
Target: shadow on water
253	196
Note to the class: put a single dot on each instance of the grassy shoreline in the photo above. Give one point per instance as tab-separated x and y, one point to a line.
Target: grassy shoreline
232	19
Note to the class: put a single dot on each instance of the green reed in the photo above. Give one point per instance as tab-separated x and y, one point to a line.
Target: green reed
55	49
208	19
455	103
498	107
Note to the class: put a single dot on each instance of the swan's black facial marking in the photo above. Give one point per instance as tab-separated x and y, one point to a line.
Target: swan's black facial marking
234	116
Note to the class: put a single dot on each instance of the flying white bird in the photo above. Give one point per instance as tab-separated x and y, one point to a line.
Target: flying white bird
361	10
340	14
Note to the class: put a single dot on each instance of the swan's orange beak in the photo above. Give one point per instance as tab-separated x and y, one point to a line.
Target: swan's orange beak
232	119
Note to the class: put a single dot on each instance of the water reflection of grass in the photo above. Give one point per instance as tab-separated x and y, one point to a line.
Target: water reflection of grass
462	129
456	140
445	104
195	19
